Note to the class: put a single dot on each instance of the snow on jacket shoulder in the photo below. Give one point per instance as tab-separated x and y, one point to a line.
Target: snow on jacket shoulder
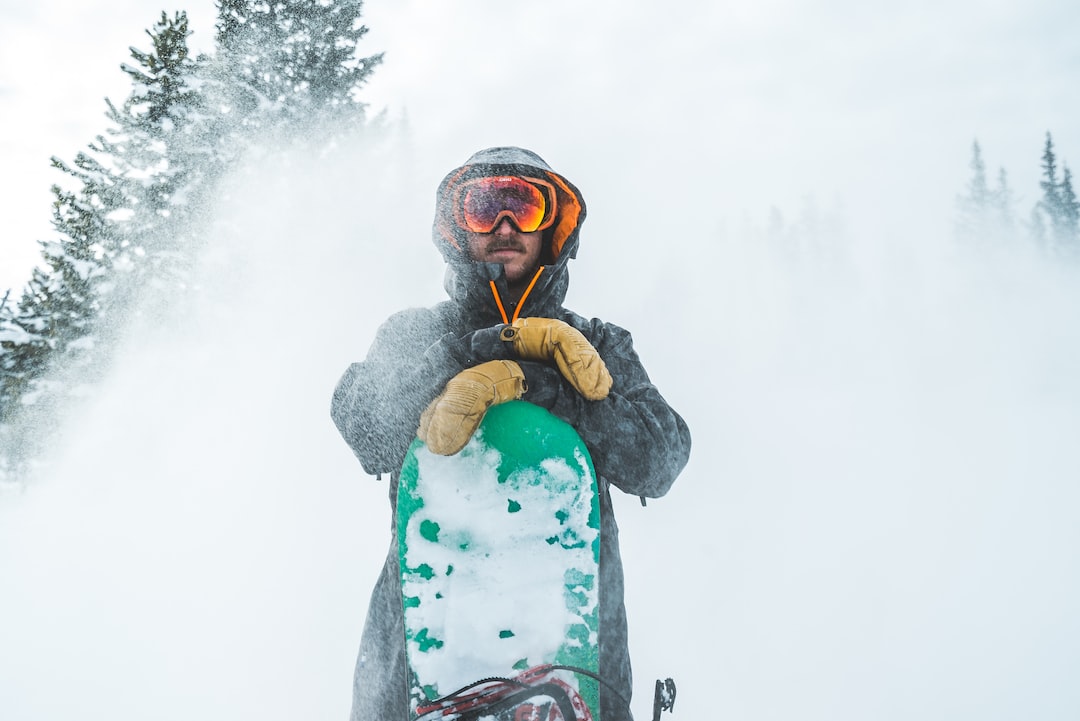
378	401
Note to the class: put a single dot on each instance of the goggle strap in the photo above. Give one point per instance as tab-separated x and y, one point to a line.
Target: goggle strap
525	295
498	302
521	303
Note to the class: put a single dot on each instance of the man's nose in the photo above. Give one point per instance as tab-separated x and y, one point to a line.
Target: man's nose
505	227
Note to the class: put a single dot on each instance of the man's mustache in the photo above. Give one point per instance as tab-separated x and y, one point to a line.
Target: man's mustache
505	245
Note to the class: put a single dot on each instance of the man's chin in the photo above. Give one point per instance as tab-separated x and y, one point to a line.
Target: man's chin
517	276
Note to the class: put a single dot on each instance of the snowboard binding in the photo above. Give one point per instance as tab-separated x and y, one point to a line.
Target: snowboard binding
663	698
537	694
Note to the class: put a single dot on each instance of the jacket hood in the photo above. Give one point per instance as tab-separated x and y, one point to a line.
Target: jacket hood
469	282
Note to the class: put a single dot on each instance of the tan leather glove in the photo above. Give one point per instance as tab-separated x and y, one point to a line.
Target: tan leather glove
450	420
548	340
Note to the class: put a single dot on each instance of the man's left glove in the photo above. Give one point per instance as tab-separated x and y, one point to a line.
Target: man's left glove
450	420
553	341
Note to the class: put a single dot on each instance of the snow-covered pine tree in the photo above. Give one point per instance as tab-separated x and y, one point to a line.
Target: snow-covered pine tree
287	67
53	330
116	229
283	70
288	75
166	145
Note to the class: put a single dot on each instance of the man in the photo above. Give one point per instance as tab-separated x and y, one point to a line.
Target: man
507	225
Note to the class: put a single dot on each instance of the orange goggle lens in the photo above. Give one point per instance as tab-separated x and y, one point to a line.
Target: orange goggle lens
529	204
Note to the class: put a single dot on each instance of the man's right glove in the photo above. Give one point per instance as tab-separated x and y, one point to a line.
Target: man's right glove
549	340
450	420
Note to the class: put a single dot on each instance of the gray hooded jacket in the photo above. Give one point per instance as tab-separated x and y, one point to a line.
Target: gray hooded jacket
637	442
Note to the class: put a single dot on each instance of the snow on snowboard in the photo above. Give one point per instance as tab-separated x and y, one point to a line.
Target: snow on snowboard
499	547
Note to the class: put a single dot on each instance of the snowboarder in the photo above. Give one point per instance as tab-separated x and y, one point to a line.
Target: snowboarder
506	225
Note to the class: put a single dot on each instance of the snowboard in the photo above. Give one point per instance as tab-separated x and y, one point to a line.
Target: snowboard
499	549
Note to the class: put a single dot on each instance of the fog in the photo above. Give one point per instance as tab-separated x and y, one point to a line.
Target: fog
881	515
879	518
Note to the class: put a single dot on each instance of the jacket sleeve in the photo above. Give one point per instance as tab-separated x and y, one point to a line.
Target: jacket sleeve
378	401
637	441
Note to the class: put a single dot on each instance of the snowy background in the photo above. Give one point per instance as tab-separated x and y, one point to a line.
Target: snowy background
881	519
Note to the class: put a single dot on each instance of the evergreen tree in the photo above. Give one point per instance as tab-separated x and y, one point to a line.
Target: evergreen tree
1051	201
978	188
985	215
142	192
284	65
54	325
1003	201
166	144
1070	211
1058	204
113	230
974	222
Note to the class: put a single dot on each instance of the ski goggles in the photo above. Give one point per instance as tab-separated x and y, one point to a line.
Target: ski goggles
481	204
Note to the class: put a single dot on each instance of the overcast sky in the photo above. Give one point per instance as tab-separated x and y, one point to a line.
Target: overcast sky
868	107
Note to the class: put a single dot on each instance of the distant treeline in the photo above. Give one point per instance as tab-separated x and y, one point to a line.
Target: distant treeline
988	216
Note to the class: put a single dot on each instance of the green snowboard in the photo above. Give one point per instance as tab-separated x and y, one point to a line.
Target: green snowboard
499	547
